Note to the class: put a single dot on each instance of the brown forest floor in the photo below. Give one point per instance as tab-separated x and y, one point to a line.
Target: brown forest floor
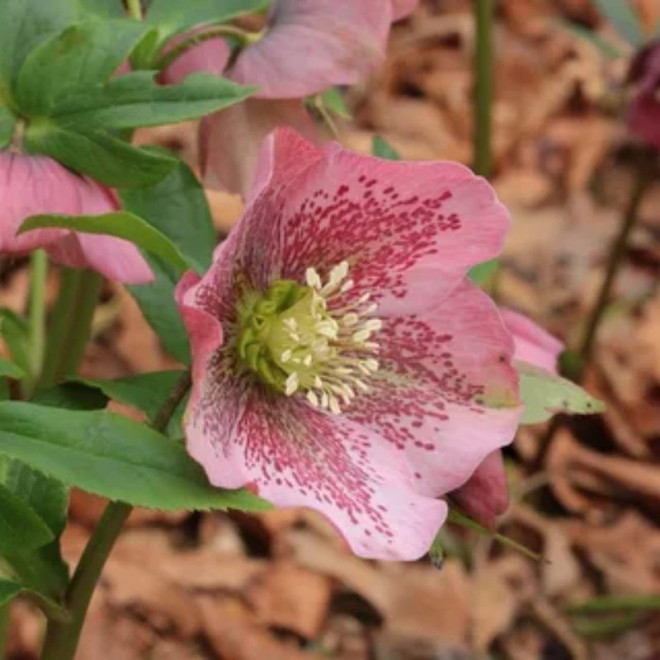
281	585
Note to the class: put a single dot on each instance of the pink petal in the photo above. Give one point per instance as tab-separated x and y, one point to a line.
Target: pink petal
32	185
211	56
436	367
485	495
114	258
532	343
230	140
311	45
402	8
408	230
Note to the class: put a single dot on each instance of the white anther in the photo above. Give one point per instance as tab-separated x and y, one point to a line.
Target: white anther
347	286
312	278
371	364
295	336
373	325
318	383
291	384
327	328
350	319
290	324
334	405
363	298
361	385
312	398
307	360
286	355
361	335
371	345
324	399
370	308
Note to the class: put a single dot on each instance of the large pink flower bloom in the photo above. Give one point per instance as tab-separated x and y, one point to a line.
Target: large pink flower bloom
32	185
644	110
486	495
341	359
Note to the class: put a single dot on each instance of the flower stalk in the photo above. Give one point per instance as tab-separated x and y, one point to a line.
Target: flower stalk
62	636
37	311
483	86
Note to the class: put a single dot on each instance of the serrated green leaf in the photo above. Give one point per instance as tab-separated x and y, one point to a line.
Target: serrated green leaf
7	125
21	529
80	58
173	16
545	394
8	591
103	157
383	149
121	224
8	368
112	456
624	19
135	99
42	569
147	392
177	207
23	25
158	305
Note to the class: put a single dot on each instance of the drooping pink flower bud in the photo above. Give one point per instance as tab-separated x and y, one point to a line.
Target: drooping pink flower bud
34	185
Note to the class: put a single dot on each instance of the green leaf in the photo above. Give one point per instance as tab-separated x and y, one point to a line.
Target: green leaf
101	156
135	99
172	16
544	394
113	457
15	331
43	569
8	591
383	149
177	207
624	19
78	59
121	224
617	603
7	125
333	100
72	396
21	529
481	274
23	25
147	392
8	368
100	8
158	305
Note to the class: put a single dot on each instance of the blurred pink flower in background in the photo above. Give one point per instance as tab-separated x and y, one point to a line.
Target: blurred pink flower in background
486	494
307	47
644	110
34	185
341	358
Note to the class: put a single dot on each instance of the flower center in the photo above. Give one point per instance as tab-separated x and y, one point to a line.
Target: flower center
308	338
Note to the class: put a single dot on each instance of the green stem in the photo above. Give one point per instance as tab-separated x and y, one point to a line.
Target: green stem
193	40
134	9
614	259
37	310
4	628
483	86
71	324
62	636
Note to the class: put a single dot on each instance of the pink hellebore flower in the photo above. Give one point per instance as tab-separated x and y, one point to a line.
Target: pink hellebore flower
341	359
308	46
644	110
33	185
485	496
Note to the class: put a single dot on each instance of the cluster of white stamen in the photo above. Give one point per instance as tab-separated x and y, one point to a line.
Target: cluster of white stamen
331	363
